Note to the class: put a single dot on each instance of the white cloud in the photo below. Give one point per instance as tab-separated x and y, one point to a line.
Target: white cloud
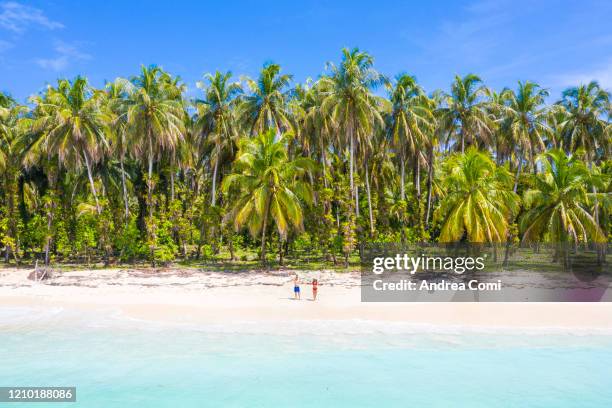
601	74
70	50
65	55
55	64
18	17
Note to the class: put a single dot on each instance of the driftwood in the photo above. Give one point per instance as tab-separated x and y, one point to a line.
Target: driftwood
40	274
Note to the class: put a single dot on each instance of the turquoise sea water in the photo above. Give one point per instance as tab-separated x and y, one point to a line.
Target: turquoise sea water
115	362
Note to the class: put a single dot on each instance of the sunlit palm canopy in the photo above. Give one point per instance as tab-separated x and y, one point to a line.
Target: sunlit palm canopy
588	107
71	123
155	113
265	107
479	203
465	117
268	183
558	203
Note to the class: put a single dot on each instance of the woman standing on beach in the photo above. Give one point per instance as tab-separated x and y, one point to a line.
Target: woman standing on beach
315	287
296	287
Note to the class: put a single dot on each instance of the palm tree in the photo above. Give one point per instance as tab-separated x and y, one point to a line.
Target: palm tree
73	126
525	121
412	124
269	186
265	107
215	117
466	112
176	156
585	126
351	104
116	105
379	169
13	125
409	123
557	204
555	120
155	118
502	145
433	144
6	128
479	202
315	137
33	151
315	128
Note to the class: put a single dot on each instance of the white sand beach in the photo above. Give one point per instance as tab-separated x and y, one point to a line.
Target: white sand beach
192	295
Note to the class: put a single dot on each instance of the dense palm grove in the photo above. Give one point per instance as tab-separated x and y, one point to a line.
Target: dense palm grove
135	171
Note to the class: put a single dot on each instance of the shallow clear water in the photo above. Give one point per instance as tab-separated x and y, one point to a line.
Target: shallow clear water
115	362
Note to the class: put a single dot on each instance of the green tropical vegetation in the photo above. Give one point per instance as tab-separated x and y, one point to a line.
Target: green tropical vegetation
270	170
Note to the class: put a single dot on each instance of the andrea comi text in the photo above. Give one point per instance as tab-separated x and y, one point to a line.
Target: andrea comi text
424	285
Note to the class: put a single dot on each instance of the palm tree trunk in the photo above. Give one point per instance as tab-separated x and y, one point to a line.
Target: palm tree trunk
124	187
351	158
462	141
263	232
280	250
172	182
213	193
230	247
402	179
150	181
518	170
596	202
91	182
369	199
49	237
357	201
12	199
312	184
417	178
429	185
417	185
10	193
498	156
323	160
534	168
595	205
338	217
150	234
201	240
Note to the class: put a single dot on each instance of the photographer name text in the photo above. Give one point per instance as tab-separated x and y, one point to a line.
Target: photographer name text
443	285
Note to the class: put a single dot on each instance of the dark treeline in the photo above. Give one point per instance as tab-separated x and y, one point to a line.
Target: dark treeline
135	171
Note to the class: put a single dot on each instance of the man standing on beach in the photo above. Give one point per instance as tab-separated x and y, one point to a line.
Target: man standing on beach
296	287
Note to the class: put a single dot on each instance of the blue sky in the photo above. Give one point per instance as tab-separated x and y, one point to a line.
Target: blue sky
556	43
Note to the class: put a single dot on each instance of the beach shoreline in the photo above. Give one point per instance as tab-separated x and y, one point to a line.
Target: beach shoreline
195	296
